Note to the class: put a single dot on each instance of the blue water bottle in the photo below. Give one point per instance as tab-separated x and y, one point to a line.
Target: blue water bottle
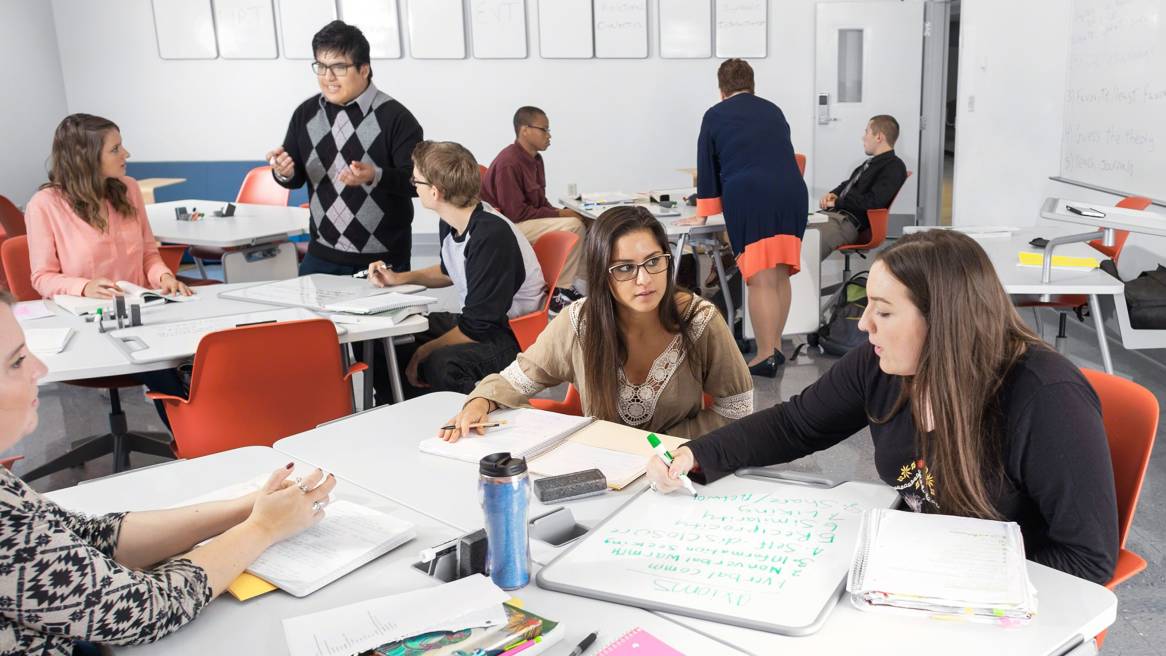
504	492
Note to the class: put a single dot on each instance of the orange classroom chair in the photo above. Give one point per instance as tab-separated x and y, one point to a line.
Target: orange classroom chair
246	390
874	237
552	250
11	218
9	461
17	268
1130	415
259	188
800	158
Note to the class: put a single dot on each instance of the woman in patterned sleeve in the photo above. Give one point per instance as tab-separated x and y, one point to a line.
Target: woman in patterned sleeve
640	351
68	580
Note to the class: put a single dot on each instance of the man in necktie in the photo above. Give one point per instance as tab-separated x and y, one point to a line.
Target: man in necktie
873	185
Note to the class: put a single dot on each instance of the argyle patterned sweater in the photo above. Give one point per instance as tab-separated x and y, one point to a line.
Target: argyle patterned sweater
356	225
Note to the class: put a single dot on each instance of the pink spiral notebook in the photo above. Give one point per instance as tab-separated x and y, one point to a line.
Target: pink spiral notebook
638	642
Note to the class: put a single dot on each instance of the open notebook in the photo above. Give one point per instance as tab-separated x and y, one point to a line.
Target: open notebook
556	444
81	305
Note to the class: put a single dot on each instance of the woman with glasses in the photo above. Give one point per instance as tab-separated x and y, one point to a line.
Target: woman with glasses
640	351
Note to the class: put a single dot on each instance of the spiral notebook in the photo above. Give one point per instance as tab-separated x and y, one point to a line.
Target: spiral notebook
638	642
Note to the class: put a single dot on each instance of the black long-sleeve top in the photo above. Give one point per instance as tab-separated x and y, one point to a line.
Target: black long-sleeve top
875	188
1058	479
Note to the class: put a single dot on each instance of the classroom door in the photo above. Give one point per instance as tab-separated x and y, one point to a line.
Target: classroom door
869	61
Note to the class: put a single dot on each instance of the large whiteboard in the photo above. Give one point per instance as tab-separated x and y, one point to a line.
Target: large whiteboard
378	20
564	29
498	28
185	29
437	29
621	29
686	29
756	553
245	29
1113	131
299	20
742	28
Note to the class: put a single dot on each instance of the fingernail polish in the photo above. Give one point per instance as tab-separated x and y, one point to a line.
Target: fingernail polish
290	465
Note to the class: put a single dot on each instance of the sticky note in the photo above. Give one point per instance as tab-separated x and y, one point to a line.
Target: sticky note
1029	258
247	586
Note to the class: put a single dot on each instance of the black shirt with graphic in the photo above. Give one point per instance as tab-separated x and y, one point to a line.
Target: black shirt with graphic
1058	478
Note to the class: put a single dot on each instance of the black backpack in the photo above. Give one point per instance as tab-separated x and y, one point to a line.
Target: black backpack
840	333
1146	299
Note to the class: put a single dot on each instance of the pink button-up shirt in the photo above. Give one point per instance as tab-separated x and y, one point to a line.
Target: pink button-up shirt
65	252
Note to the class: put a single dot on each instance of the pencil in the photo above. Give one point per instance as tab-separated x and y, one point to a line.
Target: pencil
491	424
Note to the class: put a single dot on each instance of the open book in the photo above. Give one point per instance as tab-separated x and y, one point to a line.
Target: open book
556	444
941	565
134	294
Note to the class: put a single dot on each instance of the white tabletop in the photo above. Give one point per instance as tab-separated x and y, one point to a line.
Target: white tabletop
90	354
254	627
251	224
1119	218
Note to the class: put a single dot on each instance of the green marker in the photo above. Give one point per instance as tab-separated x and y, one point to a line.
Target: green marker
663	454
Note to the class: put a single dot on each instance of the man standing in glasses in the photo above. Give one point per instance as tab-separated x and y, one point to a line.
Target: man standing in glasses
516	184
351	144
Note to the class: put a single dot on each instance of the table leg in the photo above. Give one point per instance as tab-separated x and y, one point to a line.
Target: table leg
677	253
1099	325
369	358
723	278
394	371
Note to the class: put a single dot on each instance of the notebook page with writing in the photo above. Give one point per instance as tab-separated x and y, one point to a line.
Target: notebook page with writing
527	433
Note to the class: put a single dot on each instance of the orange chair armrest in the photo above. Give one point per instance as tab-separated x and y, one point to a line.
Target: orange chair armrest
158	396
1128	564
359	366
550	405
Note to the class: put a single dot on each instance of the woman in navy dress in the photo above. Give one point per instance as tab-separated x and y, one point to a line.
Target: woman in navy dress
747	170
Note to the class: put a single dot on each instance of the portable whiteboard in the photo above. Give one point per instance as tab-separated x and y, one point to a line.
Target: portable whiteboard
378	20
742	28
437	29
245	29
185	29
498	28
564	29
749	551
621	29
299	20
686	29
317	291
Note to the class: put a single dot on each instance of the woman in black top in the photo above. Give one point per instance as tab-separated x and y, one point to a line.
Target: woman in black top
970	413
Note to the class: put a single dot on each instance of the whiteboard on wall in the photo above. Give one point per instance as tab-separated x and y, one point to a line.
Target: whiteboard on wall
621	29
299	20
1113	135
498	28
742	28
686	29
564	29
378	20
185	29
437	29
245	29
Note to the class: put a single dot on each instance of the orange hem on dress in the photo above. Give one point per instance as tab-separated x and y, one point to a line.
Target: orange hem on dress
770	252
709	206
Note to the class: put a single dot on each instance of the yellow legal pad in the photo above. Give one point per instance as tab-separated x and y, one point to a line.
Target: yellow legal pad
246	586
1028	258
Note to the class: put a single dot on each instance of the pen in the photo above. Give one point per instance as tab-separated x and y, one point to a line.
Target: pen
364	272
254	323
584	644
491	424
663	454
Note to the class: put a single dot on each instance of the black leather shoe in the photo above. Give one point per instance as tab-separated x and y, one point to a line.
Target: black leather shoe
768	367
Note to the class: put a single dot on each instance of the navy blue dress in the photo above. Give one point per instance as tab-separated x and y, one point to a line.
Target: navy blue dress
746	168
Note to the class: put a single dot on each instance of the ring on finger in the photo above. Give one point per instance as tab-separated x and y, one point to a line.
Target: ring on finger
303	487
318	506
652	485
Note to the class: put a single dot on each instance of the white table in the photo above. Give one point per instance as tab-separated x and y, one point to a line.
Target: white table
357	448
227	626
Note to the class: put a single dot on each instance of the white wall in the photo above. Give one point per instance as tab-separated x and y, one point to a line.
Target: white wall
34	95
617	124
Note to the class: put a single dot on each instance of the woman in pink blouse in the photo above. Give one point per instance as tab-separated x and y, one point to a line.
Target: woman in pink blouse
87	226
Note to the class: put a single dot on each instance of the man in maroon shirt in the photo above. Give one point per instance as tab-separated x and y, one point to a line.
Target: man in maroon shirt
516	184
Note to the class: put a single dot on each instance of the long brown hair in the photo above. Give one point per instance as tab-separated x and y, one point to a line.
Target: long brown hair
974	337
604	346
75	169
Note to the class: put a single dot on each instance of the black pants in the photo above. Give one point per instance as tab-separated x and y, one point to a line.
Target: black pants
455	368
165	381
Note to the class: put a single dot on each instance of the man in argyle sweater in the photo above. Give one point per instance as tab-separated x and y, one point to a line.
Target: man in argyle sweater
351	144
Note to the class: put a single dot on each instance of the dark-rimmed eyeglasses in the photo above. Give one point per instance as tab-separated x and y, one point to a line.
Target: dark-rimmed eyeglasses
415	182
653	265
339	70
539	127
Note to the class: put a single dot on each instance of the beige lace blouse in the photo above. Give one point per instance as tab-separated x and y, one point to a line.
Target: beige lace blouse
668	401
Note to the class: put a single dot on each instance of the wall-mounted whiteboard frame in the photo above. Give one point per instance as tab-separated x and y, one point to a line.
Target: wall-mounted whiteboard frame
437	29
299	20
686	29
621	29
498	29
245	29
742	28
185	29
379	21
565	29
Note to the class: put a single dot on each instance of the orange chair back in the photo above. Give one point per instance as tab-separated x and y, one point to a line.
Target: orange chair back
257	384
172	256
1120	236
260	188
552	250
800	158
17	268
11	218
878	226
482	171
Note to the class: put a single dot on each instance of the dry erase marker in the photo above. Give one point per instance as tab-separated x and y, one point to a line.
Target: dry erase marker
662	454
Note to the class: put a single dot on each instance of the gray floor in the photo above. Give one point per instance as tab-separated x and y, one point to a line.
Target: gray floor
68	413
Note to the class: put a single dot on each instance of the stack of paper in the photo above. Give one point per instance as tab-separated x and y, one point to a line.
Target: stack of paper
526	434
942	565
46	341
